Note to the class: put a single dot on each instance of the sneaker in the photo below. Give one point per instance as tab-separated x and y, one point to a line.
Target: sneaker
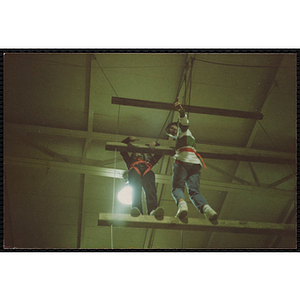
182	210
158	213
135	212
210	214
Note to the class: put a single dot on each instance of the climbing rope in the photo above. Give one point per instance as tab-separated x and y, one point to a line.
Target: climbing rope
182	81
115	155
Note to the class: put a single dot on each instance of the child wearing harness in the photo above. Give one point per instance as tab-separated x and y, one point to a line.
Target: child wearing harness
186	169
140	175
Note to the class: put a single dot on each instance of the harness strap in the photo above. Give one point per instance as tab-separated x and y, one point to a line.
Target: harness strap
139	161
193	151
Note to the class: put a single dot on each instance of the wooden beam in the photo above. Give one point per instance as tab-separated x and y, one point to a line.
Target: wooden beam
244	227
188	108
112	146
12	129
159	178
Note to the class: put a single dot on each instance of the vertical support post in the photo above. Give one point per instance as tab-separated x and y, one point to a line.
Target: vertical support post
89	111
80	231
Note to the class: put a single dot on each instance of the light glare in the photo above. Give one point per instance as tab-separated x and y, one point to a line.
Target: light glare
125	195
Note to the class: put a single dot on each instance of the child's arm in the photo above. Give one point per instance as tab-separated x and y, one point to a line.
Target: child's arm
183	119
153	159
128	160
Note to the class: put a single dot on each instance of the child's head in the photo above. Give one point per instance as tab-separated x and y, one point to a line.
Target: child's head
172	129
137	156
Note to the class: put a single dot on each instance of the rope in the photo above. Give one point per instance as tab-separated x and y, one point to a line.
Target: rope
115	157
105	75
190	82
183	79
114	181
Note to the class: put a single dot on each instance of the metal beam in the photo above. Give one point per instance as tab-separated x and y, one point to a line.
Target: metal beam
274	184
254	174
112	146
262	99
188	108
287	218
160	178
89	111
80	231
238	179
85	148
124	220
43	149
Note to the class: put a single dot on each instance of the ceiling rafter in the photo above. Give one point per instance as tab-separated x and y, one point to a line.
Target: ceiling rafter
81	216
37	131
264	100
112	146
44	150
253	172
160	178
282	180
289	214
90	113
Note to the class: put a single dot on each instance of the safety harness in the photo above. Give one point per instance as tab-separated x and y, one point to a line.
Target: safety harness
139	161
193	151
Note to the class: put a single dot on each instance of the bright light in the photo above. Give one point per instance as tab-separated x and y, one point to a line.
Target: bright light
125	195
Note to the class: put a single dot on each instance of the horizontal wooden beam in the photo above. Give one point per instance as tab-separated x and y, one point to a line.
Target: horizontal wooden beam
112	146
188	108
124	220
12	130
160	178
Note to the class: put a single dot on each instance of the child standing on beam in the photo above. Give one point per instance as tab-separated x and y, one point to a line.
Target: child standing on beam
187	169
140	175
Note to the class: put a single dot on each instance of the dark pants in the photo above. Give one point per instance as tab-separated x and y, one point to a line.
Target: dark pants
137	181
189	175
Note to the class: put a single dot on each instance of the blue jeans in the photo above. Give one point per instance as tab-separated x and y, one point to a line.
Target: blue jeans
187	174
147	182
